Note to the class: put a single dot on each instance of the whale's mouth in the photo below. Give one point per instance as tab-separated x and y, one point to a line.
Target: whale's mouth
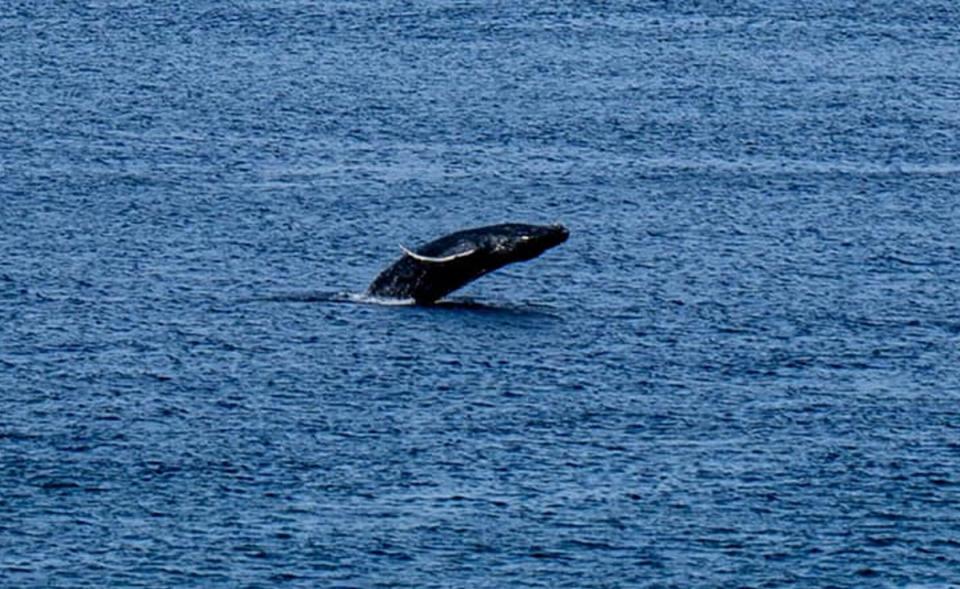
527	247
561	232
554	236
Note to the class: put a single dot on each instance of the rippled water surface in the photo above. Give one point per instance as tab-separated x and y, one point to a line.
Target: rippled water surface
742	370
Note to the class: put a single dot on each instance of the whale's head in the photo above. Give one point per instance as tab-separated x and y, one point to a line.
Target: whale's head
515	242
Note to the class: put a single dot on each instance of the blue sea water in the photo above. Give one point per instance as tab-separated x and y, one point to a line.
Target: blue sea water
742	370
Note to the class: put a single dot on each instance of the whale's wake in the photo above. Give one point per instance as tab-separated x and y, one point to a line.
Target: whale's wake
464	304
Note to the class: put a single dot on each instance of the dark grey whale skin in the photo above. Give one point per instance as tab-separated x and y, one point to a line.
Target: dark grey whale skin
491	247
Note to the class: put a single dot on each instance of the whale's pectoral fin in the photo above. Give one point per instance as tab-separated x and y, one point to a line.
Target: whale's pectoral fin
432	260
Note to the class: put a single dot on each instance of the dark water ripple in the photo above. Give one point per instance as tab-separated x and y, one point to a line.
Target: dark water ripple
741	370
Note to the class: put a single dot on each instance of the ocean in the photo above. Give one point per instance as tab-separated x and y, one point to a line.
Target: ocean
742	369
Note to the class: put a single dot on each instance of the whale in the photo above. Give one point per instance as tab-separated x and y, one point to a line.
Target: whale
435	269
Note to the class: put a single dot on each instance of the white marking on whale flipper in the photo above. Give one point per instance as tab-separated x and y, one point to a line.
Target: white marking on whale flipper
430	260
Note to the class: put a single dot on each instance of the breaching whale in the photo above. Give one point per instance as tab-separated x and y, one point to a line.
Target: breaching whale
440	267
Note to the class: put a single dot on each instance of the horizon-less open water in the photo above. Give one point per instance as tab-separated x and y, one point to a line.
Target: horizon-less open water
742	369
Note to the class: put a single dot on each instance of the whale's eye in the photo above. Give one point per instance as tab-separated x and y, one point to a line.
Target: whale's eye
525	238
